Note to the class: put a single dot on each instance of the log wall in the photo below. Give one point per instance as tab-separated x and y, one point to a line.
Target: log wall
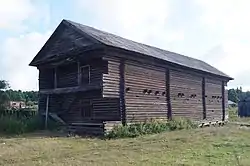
186	95
67	76
70	106
213	99
111	79
46	78
145	93
149	92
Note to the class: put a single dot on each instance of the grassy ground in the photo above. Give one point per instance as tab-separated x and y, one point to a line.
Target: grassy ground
228	145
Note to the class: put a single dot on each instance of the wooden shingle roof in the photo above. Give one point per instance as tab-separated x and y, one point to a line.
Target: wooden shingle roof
109	39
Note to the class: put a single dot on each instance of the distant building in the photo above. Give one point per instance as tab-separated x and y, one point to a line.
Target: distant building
231	103
16	104
244	107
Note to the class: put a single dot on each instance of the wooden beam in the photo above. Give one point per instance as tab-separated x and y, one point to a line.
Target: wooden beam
55	77
223	100
71	89
47	112
122	91
169	113
79	73
204	98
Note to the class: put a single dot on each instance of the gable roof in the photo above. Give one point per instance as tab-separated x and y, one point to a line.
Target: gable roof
109	39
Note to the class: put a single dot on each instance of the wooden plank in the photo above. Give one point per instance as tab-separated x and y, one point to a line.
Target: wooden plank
71	89
122	92
223	100
55	77
203	97
47	112
169	114
145	92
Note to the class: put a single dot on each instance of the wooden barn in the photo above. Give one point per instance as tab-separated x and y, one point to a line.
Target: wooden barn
91	79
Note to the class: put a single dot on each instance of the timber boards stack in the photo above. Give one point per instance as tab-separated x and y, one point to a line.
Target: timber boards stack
145	93
213	99
186	95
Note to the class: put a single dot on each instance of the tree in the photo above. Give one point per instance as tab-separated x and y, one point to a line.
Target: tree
233	95
3	95
3	85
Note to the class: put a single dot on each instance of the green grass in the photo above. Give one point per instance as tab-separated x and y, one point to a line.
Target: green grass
233	116
228	145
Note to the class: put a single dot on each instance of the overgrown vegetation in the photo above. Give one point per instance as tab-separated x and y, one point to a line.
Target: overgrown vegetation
19	125
151	127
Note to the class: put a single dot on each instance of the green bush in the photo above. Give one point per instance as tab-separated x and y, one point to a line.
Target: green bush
181	123
151	127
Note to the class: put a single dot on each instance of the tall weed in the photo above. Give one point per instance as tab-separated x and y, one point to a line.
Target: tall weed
150	127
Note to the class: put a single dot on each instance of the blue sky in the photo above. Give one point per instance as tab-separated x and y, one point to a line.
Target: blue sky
216	31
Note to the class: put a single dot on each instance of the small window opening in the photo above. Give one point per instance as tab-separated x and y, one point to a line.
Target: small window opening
163	93
157	92
179	94
127	89
85	75
149	91
193	95
145	91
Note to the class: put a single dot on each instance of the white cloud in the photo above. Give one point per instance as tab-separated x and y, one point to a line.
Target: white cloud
142	21
229	19
14	12
17	54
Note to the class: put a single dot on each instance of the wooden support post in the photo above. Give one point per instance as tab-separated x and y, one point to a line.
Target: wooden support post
204	98
169	113
223	100
79	74
55	78
47	112
122	92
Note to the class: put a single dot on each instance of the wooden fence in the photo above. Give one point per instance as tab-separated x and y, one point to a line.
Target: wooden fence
19	113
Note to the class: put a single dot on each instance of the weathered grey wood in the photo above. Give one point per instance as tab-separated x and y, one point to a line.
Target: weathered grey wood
47	112
169	114
123	86
70	89
55	77
223	100
204	98
122	91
